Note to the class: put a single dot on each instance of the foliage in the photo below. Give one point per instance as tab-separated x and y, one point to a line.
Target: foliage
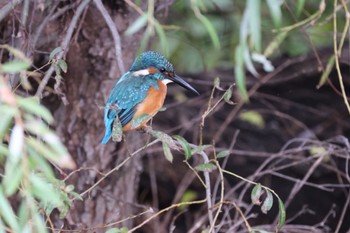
27	148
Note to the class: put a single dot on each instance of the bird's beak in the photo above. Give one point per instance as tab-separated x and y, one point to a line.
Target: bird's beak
183	83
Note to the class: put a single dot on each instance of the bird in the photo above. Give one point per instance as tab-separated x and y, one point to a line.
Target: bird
141	90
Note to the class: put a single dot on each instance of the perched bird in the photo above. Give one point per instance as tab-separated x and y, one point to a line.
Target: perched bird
141	90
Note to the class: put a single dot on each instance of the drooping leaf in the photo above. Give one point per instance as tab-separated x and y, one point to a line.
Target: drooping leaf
12	179
31	105
217	83
199	149
268	202
63	65
275	11
165	138
7	213
327	71
167	152
139	23
117	130
240	72
282	214
228	95
256	194
223	154
7	114
254	9
185	146
16	143
44	190
205	167
139	120
300	7
55	52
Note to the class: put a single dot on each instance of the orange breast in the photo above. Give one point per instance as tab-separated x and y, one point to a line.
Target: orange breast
151	104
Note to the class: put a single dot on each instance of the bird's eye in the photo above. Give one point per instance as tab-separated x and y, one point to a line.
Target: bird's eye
162	69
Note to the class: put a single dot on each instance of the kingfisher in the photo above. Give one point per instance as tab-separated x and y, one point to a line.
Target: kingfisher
141	90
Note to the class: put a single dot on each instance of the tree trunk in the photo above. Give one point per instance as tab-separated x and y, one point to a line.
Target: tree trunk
92	72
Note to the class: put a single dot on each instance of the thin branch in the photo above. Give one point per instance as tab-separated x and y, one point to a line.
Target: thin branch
7	8
64	45
115	35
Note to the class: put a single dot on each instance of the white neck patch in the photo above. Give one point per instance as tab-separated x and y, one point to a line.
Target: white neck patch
166	81
141	72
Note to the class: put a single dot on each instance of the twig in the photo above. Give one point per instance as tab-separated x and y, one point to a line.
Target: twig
252	90
115	35
164	210
7	8
64	45
118	166
341	219
208	189
337	54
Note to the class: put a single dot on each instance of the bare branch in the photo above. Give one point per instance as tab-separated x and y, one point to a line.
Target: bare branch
64	45
115	34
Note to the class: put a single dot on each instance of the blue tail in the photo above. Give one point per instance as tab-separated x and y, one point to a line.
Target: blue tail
107	136
108	119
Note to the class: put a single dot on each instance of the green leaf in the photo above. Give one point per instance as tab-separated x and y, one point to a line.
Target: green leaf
199	149
14	66
228	95
253	117
38	222
7	114
44	191
139	23
188	196
207	24
185	146
4	150
54	52
167	152
206	167
117	130
223	154
254	18
326	73
240	72
217	83
12	179
300	7
165	138
31	105
275	11
256	194
282	214
16	143
268	202
139	120
63	65
275	43
55	153
162	37
7	212
40	162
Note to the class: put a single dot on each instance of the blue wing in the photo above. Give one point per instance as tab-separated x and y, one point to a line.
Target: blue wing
126	94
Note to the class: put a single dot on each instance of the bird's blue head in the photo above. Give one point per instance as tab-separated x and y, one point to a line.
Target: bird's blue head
155	65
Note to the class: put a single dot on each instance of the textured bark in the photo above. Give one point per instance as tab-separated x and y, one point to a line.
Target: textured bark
92	73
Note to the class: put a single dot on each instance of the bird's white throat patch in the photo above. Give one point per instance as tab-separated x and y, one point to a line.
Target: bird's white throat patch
166	81
141	72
